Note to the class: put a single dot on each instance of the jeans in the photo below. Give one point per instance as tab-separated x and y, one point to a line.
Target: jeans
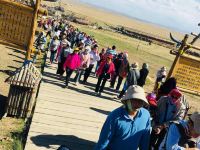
78	75
52	56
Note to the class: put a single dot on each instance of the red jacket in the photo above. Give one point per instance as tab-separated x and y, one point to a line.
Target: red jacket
111	69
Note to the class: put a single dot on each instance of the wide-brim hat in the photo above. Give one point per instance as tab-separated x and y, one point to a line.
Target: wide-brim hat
135	92
195	117
135	65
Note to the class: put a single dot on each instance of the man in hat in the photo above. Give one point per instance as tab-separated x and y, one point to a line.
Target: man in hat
179	134
132	78
127	127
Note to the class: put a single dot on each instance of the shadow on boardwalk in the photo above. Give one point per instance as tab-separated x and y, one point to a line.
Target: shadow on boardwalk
72	87
70	141
100	110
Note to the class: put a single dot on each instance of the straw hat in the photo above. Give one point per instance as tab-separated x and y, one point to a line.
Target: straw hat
135	92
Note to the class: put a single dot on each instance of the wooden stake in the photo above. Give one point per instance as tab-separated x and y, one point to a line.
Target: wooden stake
180	52
34	25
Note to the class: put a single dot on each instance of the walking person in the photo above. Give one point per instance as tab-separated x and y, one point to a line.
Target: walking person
63	51
85	62
127	127
72	62
117	62
132	77
106	69
94	57
160	78
143	74
123	70
102	56
53	48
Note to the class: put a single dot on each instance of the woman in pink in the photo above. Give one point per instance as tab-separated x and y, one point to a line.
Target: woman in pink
106	69
85	62
72	62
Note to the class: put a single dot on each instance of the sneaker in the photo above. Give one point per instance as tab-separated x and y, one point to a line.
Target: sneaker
99	94
66	86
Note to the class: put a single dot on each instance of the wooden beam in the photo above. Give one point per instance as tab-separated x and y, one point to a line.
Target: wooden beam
34	26
180	52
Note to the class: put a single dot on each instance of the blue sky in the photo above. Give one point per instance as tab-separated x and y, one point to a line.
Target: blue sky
180	15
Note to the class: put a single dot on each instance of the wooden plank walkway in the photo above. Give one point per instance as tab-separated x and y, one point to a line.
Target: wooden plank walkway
71	117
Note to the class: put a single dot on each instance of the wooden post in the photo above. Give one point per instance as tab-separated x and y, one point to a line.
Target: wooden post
34	26
180	52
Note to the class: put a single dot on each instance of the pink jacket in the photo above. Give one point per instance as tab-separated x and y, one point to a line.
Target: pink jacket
73	61
111	69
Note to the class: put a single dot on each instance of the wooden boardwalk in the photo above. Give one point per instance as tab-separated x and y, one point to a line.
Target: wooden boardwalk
71	117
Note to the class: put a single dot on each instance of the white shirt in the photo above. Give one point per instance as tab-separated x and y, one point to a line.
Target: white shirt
94	57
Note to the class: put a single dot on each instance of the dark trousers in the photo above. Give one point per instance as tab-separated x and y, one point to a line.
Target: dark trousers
68	75
120	79
100	82
87	72
156	139
60	66
122	93
114	77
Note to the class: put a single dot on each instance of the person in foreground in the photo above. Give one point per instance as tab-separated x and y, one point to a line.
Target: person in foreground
127	127
183	135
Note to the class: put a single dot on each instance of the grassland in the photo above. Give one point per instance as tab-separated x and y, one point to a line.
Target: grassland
11	137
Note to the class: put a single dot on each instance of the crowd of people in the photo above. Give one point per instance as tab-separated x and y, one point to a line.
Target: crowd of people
156	121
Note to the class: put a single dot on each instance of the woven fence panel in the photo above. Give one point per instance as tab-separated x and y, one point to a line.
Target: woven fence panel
15	23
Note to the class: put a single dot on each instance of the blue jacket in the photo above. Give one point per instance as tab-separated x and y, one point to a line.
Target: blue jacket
120	132
172	138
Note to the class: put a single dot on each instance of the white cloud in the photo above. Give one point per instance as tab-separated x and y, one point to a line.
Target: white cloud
182	15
